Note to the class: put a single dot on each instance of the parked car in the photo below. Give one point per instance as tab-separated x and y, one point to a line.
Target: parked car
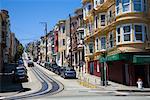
68	72
58	70
47	65
20	74
53	66
42	63
30	63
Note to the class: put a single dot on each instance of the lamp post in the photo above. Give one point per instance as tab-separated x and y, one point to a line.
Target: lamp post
45	23
104	69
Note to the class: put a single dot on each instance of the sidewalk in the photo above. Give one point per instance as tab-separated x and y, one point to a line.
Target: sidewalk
94	82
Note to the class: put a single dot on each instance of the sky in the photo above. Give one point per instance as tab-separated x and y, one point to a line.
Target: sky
26	15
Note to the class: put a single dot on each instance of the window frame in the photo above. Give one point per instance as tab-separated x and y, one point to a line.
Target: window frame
97	43
102	44
117	35
127	33
143	32
129	4
111	40
142	6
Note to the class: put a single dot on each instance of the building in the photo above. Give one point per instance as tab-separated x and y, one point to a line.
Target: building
56	54
117	39
50	54
5	38
62	43
80	39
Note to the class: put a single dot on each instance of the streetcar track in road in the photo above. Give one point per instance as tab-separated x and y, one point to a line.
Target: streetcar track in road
44	79
54	83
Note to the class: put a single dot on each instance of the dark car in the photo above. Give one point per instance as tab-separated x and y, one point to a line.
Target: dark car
47	65
58	70
20	74
53	66
30	64
68	72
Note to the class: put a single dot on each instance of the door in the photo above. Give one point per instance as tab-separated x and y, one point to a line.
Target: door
91	68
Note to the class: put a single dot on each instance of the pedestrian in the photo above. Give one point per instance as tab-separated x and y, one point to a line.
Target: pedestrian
140	83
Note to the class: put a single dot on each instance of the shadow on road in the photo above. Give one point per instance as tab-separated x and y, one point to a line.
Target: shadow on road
6	81
7	84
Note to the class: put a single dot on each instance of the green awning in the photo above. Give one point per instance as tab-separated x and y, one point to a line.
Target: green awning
141	59
115	57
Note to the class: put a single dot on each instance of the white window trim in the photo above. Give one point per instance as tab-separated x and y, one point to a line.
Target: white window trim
127	33
101	42
126	4
143	32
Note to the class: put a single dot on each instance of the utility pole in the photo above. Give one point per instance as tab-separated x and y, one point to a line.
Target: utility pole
70	41
45	23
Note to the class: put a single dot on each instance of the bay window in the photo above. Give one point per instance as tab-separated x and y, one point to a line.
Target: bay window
123	6
127	33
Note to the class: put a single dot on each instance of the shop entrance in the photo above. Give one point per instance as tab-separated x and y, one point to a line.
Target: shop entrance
141	72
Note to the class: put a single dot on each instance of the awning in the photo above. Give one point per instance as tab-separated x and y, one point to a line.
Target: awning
116	57
141	59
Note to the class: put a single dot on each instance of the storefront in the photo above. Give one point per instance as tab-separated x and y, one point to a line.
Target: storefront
127	68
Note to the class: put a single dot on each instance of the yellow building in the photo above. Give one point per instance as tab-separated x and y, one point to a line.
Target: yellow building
117	32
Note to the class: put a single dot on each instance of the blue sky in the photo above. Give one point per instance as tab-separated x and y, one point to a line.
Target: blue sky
26	15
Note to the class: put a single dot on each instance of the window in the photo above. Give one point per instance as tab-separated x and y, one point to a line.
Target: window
91	47
146	34
117	6
103	43
89	27
138	32
127	32
63	29
101	1
89	7
63	41
110	14
97	44
102	20
125	5
118	34
96	22
144	4
137	5
111	42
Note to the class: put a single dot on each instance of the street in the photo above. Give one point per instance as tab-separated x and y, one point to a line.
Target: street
45	85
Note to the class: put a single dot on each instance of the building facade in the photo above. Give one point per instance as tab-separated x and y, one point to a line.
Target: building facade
118	31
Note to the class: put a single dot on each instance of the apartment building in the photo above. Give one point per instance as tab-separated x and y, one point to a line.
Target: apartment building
117	38
62	43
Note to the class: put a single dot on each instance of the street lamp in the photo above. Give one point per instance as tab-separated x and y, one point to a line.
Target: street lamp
45	23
